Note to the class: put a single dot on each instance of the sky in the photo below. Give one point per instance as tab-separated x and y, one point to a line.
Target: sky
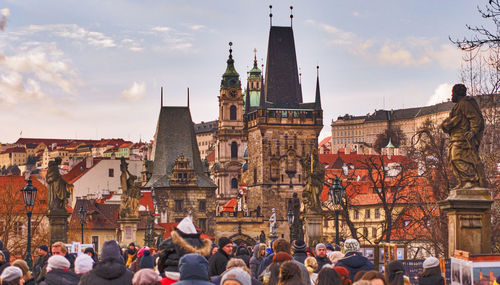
93	69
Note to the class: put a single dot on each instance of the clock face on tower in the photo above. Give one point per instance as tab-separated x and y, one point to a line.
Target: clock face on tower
232	93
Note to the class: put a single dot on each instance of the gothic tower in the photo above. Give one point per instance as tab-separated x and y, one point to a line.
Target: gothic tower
230	137
282	130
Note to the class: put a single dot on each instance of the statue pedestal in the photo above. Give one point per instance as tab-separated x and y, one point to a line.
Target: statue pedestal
58	225
469	220
128	229
313	229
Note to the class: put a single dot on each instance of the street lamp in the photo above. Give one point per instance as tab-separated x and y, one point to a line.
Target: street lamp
290	218
29	195
82	213
336	195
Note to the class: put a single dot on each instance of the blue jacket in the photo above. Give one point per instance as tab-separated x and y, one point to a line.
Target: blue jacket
194	270
354	262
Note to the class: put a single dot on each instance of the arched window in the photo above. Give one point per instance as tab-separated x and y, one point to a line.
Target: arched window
234	150
232	113
234	183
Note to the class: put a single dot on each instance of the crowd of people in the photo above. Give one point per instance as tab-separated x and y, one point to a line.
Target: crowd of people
186	259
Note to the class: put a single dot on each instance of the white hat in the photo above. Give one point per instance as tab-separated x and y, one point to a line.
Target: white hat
351	245
83	264
186	226
431	262
11	273
57	262
237	274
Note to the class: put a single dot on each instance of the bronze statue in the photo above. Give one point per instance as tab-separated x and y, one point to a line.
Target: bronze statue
131	194
59	190
314	173
465	125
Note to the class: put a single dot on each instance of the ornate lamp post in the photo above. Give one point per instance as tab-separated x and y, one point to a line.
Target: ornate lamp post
290	217
82	213
336	195
29	195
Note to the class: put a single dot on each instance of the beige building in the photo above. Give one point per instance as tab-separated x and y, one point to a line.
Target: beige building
13	156
205	136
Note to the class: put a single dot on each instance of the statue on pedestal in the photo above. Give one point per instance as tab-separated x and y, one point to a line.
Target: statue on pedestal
131	194
465	126
59	190
314	173
272	224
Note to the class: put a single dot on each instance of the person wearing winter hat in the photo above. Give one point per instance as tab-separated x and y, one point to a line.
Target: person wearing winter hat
130	254
146	276
431	273
83	264
39	268
147	260
11	275
184	239
259	252
218	261
299	251
110	269
236	276
215	248
242	253
394	273
58	272
321	257
27	277
90	252
353	260
193	270
136	264
3	262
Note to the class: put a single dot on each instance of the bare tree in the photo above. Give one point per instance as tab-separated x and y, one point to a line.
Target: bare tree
394	134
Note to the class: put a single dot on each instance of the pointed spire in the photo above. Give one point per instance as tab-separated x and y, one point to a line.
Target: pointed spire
291	16
230	78
271	15
247	100
318	96
161	96
262	96
188	97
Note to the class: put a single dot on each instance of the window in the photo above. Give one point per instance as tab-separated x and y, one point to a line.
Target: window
178	205
202	223
95	242
377	213
325	222
202	205
232	113
282	178
255	176
111	172
365	233
367	213
234	183
234	150
374	232
356	214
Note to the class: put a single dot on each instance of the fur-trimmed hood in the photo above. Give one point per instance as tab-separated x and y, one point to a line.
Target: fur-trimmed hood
183	243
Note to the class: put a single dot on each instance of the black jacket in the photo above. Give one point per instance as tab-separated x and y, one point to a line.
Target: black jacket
40	267
3	265
300	256
5	251
431	280
108	271
179	244
60	276
242	253
354	262
217	263
321	262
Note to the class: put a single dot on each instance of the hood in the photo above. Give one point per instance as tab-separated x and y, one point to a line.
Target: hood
255	250
193	267
354	260
242	250
60	276
110	269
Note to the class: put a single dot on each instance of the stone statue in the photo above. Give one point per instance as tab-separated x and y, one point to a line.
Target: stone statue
272	224
59	190
131	194
314	173
262	237
465	125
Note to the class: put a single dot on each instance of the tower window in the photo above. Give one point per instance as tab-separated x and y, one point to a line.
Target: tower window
234	183
232	113
234	150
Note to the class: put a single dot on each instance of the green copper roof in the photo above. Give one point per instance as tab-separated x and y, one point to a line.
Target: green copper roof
230	78
390	145
255	72
254	98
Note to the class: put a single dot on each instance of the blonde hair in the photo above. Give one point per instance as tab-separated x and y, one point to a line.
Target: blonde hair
238	262
61	245
311	264
262	246
21	264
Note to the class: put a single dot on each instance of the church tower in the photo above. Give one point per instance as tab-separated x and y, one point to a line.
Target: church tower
230	136
282	131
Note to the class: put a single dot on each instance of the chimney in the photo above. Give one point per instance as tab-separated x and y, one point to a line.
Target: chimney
89	161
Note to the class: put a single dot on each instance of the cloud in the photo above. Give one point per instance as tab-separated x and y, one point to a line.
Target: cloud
131	44
197	27
5	12
442	93
175	40
161	29
355	14
135	92
34	68
408	52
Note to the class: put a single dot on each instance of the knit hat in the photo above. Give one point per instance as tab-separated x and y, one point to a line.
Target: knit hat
431	262
342	271
83	264
223	241
186	226
237	274
57	262
111	250
351	245
329	246
131	244
44	248
11	273
299	245
145	276
320	245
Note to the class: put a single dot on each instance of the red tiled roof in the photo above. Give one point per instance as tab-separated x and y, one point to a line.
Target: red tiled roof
357	160
147	200
325	141
169	227
126	144
79	170
211	156
51	141
16	149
